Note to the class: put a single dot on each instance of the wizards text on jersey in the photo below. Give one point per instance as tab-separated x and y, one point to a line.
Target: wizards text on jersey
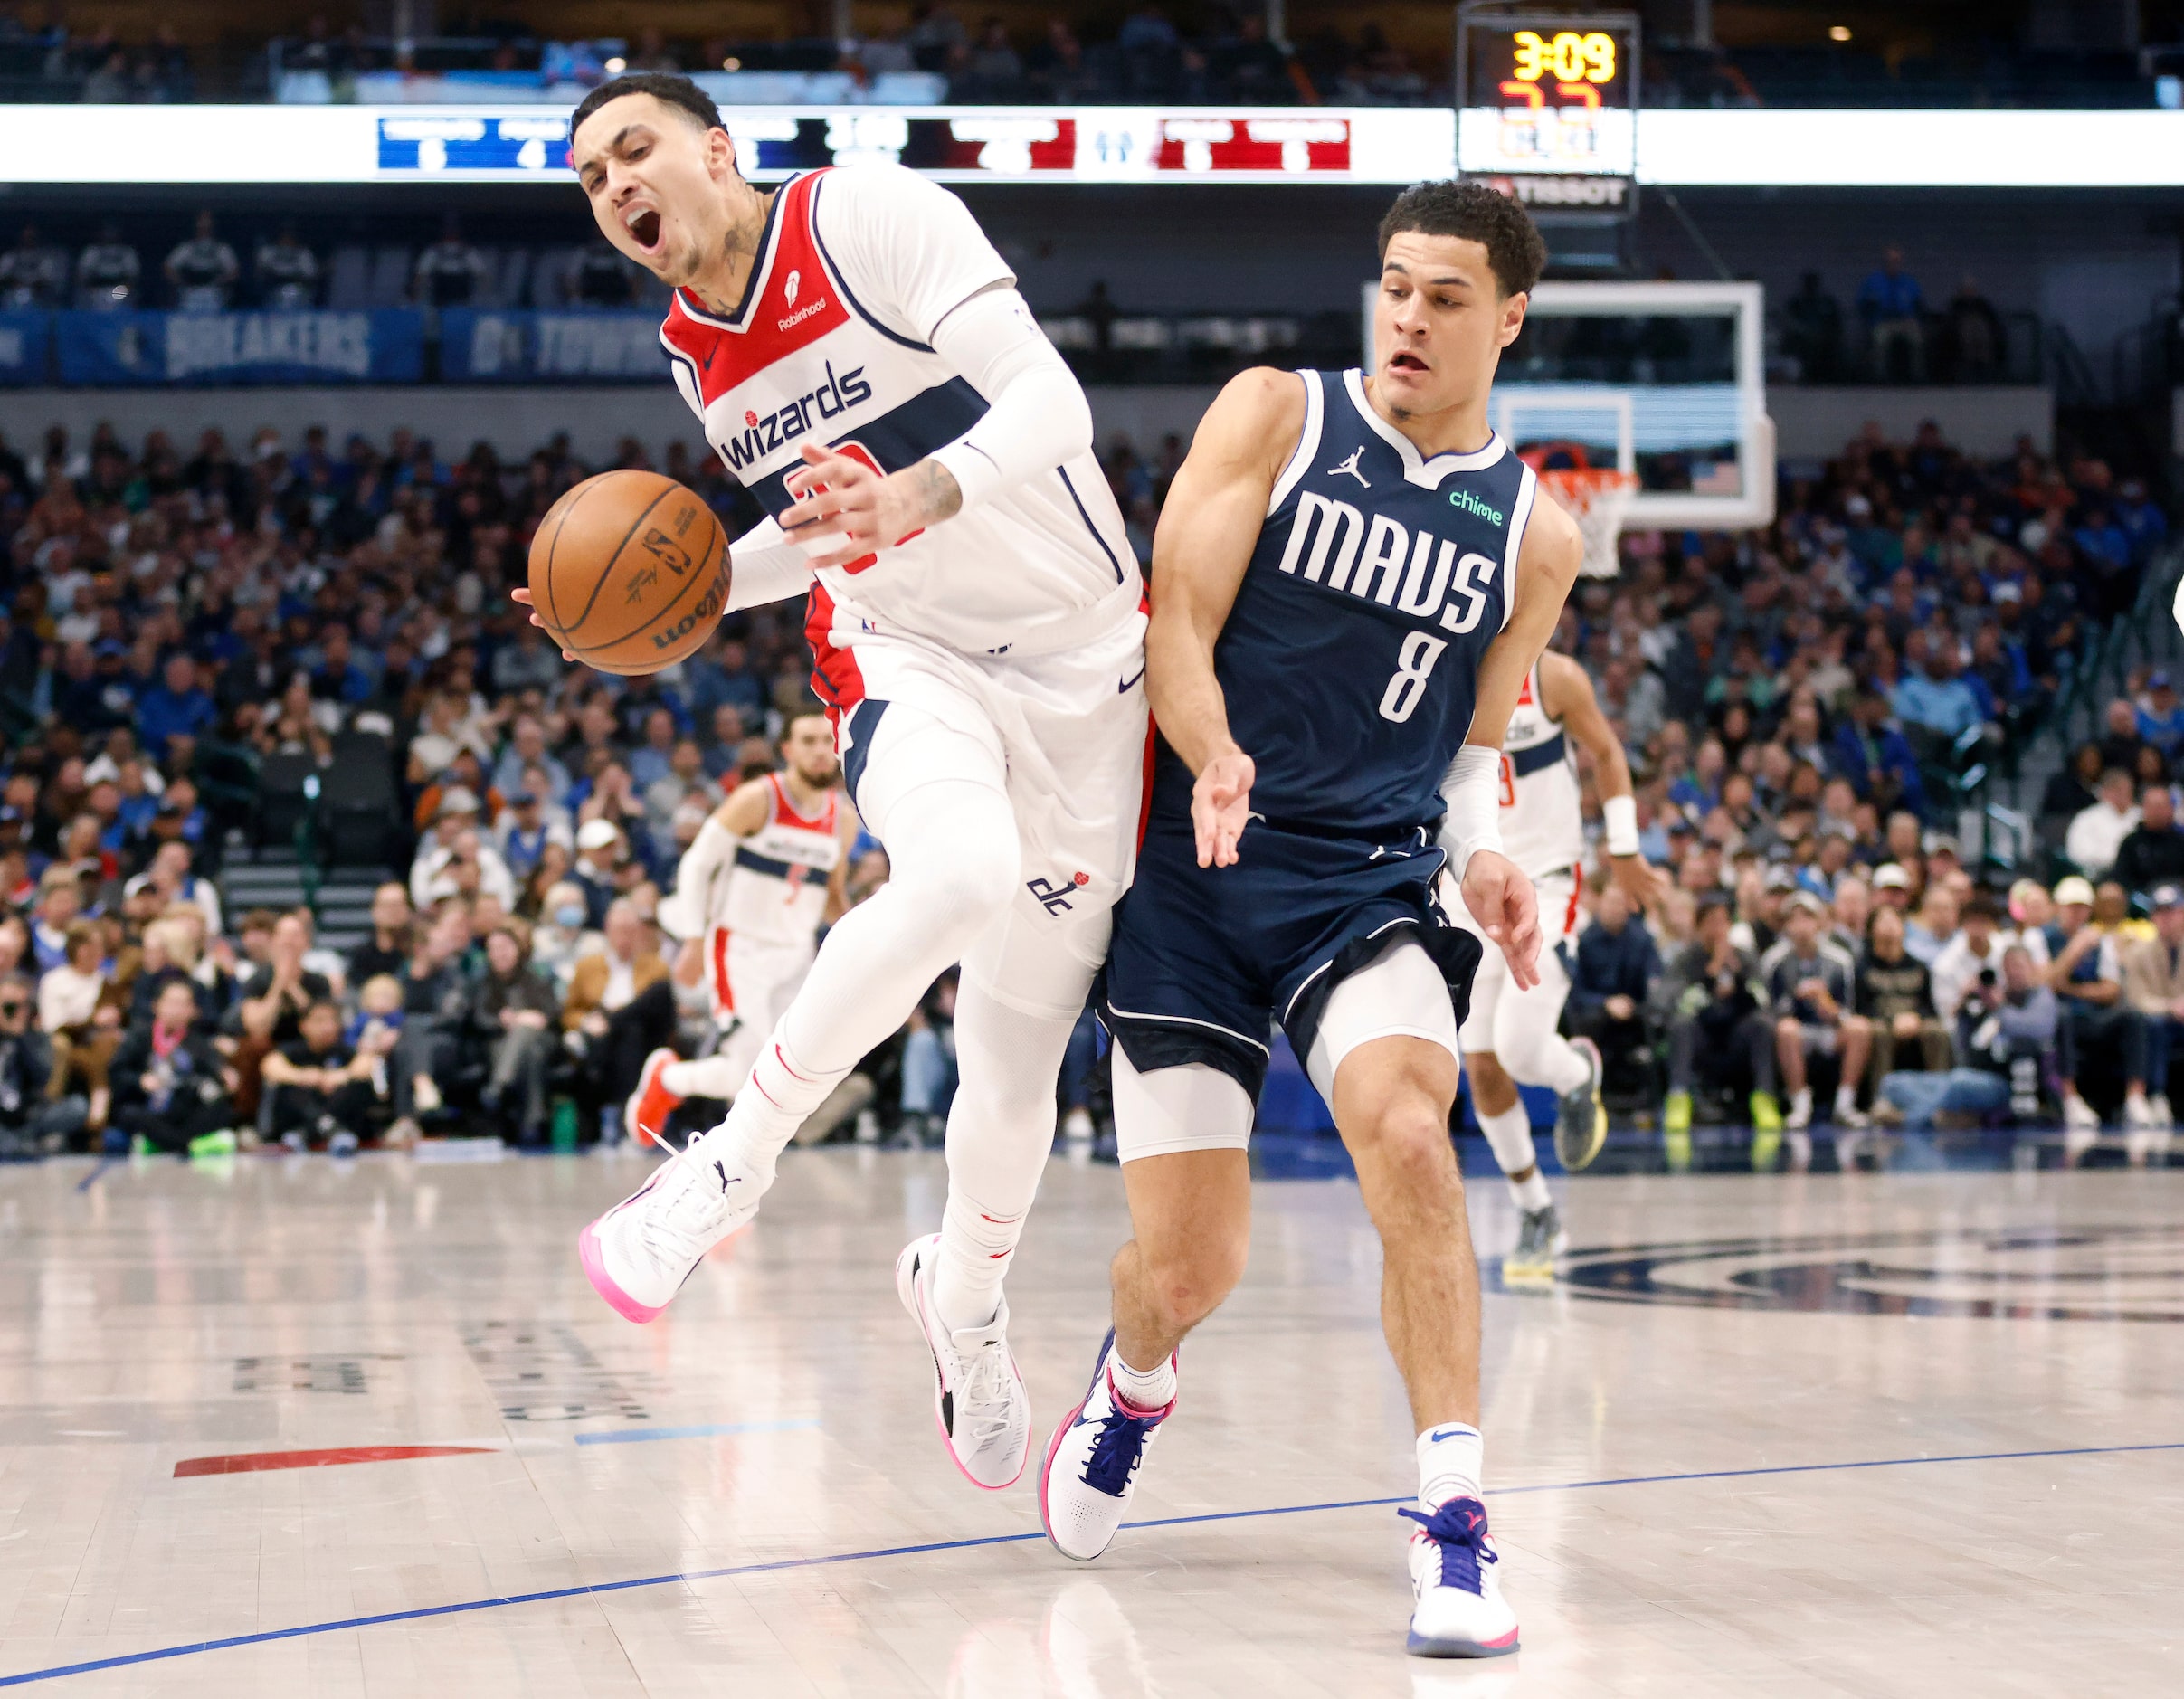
799	353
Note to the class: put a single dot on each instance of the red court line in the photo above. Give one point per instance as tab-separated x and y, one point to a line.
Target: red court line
250	1462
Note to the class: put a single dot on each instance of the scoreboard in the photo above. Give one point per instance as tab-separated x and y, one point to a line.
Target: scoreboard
1547	105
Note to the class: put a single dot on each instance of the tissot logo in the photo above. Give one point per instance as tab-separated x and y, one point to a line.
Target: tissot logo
768	433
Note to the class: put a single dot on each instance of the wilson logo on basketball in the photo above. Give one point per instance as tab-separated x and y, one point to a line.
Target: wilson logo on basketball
706	609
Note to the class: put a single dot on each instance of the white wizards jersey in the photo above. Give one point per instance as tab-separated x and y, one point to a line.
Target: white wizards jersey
775	889
857	266
1542	815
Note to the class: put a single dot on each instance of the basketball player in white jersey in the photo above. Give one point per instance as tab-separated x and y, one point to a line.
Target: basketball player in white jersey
1509	1037
863	365
764	873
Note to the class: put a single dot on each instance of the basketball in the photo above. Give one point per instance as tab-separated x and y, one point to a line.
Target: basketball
630	572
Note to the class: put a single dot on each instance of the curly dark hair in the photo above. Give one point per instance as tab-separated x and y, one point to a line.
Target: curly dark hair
1476	213
676	91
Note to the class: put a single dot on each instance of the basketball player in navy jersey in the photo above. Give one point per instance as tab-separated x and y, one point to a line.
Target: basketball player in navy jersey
1354	577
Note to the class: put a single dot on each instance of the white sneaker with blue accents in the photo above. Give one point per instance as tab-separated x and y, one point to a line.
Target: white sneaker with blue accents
1459	1611
1092	1465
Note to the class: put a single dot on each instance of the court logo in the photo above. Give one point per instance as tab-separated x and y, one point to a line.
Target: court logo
2120	1273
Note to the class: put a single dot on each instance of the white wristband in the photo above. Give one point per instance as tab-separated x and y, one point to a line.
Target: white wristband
1473	793
1619	814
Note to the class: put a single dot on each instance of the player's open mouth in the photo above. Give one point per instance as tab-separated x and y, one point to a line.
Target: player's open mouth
644	225
1405	363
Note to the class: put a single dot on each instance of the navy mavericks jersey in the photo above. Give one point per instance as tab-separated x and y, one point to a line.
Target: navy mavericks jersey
1350	660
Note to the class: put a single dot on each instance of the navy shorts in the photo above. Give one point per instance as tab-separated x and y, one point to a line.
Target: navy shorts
1205	960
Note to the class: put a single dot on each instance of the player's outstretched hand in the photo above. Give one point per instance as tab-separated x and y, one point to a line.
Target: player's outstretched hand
1501	900
524	596
1221	805
846	509
1644	884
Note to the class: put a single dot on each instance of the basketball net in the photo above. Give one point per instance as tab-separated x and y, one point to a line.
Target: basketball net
1597	498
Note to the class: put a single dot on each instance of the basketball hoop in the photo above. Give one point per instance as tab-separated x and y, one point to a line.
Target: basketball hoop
1597	497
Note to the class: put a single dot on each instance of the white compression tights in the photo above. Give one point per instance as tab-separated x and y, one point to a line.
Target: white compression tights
955	860
952	854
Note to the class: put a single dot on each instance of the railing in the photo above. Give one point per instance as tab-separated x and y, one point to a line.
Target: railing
2107	656
2022	358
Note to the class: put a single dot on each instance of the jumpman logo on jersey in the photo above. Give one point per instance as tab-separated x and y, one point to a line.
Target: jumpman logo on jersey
1350	466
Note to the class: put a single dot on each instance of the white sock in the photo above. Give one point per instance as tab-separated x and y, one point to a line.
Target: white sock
1143	1390
1510	1133
975	1251
1801	1098
1845	1097
1451	1458
781	1093
719	1077
1530	1193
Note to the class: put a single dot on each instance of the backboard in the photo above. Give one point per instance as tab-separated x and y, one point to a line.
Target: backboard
1664	380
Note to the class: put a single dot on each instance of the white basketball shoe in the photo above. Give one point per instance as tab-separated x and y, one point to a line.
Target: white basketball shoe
978	1399
639	1252
1459	1611
1092	1464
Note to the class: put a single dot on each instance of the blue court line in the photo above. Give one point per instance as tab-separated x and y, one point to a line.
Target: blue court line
779	1564
97	1173
703	1430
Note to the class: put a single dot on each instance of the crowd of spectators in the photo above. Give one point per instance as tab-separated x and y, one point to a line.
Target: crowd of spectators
95	65
1894	335
203	273
1797	706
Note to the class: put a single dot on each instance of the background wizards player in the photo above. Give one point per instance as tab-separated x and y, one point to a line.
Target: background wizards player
1351	581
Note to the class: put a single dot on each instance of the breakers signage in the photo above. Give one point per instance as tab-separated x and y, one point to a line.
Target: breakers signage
767	433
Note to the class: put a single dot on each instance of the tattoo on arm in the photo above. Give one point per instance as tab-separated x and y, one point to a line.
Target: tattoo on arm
938	493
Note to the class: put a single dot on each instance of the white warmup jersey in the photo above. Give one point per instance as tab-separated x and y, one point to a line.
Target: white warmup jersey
767	905
1542	816
858	265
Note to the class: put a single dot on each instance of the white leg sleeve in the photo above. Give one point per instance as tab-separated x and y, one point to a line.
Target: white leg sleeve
1000	1127
1525	1042
938	798
1193	1107
1510	1134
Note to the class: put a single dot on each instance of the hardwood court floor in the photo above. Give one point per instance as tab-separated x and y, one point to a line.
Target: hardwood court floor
1917	1434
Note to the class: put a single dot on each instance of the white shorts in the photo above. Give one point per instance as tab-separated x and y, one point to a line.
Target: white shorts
1494	998
1198	1108
751	979
1063	733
